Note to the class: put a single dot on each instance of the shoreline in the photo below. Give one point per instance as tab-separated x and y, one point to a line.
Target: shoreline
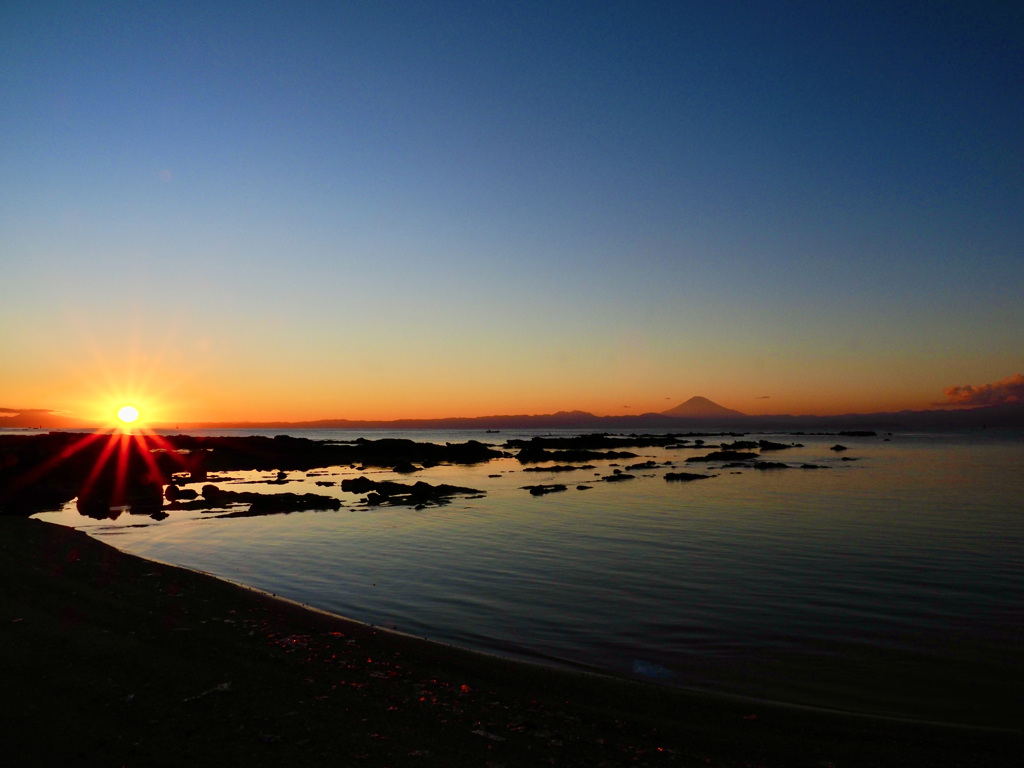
542	662
142	662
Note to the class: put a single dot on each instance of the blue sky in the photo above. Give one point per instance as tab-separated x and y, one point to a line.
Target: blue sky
399	209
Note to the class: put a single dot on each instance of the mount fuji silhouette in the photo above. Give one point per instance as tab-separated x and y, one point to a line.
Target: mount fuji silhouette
701	408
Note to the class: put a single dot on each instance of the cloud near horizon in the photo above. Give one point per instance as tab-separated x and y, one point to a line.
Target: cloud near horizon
1008	391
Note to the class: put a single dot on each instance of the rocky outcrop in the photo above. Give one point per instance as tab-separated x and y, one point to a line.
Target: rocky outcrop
540	490
724	456
264	503
558	468
531	454
380	492
685	477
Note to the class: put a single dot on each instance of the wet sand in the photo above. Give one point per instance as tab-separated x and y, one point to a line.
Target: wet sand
110	659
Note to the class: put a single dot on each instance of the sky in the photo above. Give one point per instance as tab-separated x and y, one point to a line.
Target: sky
381	210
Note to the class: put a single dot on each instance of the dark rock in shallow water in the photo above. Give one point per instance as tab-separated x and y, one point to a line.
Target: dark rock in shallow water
594	442
277	503
618	477
739	445
540	490
813	466
359	484
261	503
584	487
685	477
557	468
405	468
643	465
838	447
534	455
768	445
297	453
268	503
770	465
393	494
174	493
725	456
858	433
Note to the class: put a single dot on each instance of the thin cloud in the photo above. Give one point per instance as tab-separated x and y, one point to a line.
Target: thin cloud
1006	392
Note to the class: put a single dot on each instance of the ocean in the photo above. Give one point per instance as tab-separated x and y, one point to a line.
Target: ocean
890	582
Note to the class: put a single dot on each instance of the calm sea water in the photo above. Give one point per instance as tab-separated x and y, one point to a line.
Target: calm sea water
892	583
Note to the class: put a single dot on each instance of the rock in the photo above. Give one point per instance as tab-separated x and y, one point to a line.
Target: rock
284	503
557	468
531	454
768	445
685	477
838	447
739	445
724	456
392	493
644	465
174	493
540	490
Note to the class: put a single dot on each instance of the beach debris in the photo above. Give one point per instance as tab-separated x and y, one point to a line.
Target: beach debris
487	735
222	688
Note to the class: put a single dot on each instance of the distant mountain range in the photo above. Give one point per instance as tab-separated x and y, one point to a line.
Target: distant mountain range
697	413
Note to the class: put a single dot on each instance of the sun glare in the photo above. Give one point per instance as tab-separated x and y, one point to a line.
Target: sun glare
128	414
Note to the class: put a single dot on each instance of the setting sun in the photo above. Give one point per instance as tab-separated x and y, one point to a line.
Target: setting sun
128	414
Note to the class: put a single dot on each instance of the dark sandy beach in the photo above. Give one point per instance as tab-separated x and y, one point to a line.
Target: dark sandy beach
109	659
